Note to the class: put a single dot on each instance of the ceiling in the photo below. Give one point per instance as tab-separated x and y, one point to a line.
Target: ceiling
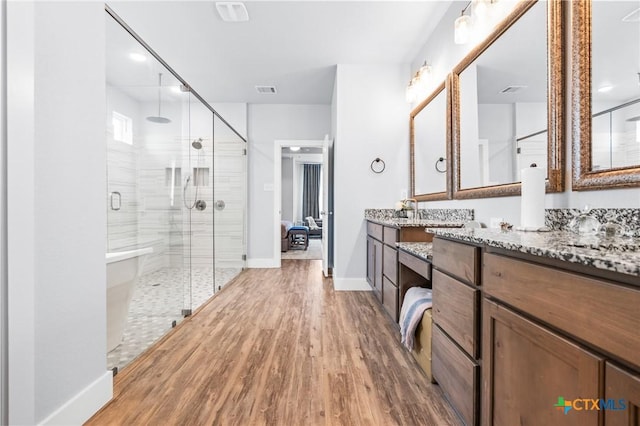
293	45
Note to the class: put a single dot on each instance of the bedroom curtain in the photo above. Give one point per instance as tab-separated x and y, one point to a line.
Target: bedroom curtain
311	190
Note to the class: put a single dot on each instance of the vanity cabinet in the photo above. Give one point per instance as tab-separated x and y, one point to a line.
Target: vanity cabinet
382	261
456	313
374	266
563	333
527	367
621	382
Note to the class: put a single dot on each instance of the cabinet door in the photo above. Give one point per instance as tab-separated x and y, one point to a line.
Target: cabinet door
621	386
371	261
377	273
527	370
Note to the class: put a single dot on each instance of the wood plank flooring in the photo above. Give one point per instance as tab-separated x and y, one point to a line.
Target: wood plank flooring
279	347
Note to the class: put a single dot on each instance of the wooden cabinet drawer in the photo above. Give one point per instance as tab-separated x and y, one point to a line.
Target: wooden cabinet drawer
457	375
390	235
420	266
390	264
375	230
622	385
596	311
455	310
457	259
390	298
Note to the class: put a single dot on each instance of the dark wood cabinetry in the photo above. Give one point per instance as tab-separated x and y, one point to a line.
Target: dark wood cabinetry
622	394
562	333
527	368
382	261
374	266
456	314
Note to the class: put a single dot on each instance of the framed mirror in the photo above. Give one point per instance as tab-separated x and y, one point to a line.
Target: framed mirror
606	94
430	148
507	103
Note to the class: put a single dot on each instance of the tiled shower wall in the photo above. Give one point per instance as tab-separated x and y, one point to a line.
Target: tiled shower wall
153	212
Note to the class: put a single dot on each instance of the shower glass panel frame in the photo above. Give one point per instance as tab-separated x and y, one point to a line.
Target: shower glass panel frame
166	182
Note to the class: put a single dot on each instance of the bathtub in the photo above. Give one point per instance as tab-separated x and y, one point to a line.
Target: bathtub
122	270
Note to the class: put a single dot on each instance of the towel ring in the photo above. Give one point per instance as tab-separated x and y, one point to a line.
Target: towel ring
441	160
378	165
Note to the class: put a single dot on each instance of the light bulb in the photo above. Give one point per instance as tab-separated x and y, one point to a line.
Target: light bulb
462	29
410	93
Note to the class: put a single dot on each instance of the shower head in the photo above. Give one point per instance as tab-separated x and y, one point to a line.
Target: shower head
197	144
159	118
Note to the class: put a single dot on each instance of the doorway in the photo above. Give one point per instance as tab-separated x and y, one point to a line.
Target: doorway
302	185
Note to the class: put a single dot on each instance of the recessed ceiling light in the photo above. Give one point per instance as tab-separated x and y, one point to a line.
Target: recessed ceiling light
604	89
232	11
294	148
138	57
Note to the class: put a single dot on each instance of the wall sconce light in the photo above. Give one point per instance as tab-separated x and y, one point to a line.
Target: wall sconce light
462	27
417	84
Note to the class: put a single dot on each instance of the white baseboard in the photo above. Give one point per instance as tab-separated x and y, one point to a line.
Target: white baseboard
85	404
263	263
350	284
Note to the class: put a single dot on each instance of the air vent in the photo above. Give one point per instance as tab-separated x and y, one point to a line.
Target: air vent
513	89
232	11
266	90
633	16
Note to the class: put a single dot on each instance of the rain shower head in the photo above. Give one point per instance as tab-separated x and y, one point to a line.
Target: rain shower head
159	118
197	144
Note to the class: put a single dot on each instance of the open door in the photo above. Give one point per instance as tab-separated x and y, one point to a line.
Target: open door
327	203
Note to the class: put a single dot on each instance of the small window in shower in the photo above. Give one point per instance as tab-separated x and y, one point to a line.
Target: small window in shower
122	128
201	176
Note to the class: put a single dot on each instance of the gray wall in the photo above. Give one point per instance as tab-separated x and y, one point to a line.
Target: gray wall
266	124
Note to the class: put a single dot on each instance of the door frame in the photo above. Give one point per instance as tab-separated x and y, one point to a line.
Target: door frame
277	187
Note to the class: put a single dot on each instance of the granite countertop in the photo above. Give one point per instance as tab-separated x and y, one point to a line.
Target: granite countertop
421	250
618	254
399	222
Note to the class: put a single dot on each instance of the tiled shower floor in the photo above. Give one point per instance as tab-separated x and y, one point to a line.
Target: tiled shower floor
158	300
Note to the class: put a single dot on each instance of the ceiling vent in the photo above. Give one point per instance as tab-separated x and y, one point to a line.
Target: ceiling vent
232	11
513	89
266	90
633	16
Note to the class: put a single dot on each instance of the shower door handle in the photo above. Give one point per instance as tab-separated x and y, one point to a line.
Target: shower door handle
116	200
220	205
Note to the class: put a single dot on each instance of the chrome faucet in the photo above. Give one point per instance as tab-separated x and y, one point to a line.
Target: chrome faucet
414	205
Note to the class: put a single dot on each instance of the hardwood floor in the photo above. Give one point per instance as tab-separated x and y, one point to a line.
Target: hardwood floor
279	347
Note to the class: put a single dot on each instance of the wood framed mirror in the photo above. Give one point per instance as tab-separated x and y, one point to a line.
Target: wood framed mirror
507	104
430	147
605	84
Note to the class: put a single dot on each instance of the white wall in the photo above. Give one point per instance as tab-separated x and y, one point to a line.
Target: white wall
267	123
372	120
3	217
56	177
445	55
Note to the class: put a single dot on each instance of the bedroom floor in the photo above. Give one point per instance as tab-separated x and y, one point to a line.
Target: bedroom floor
313	252
279	346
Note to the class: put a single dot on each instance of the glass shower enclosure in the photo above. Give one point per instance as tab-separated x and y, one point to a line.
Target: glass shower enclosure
176	196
